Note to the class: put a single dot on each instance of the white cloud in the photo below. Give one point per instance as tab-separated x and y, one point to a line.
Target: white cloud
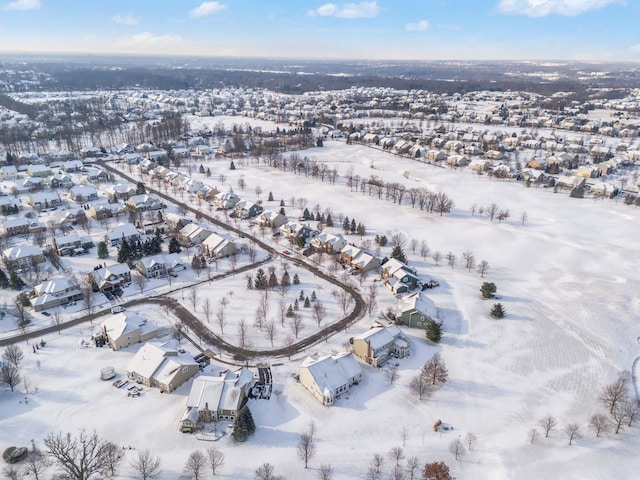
22	5
347	10
541	8
207	8
634	48
127	19
420	26
147	39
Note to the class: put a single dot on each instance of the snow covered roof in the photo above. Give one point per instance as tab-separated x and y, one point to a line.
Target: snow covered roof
55	286
21	251
117	325
149	359
332	371
379	337
420	302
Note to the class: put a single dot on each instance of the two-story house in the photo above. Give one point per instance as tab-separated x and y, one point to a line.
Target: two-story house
330	376
375	346
109	278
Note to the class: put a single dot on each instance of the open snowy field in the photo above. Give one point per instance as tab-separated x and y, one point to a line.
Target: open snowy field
567	276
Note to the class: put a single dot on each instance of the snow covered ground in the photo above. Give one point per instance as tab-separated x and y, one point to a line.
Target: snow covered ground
567	277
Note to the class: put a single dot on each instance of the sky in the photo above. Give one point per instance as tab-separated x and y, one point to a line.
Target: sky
580	30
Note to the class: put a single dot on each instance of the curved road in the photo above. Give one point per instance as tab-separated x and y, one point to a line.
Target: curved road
195	324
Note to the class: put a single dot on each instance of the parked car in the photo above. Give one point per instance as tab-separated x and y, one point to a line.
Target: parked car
117	309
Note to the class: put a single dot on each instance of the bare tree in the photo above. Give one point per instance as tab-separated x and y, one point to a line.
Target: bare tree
270	329
325	472
306	448
319	312
419	385
533	435
619	416
412	467
243	331
469	259
13	355
11	472
206	309
631	407
616	391
471	439
413	244
80	458
492	211
451	259
36	464
177	331
483	268
193	296
220	317
599	423
146	466
457	448
57	319
435	370
548	423
114	457
424	249
196	463
216	459
391	374
295	323
10	376
376	468
436	257
573	431
524	217
265	472
396	454
398	239
140	281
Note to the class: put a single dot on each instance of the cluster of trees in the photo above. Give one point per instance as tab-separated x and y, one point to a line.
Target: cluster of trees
397	471
10	375
350	226
623	409
434	373
493	211
135	250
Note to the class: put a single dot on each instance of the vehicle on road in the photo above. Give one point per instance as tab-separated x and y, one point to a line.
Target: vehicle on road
117	309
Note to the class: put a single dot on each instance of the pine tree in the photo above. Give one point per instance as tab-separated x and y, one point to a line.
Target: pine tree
313	296
15	282
289	313
329	220
260	282
124	252
498	311
398	254
140	189
270	198
296	279
249	283
352	226
273	280
346	225
208	172
281	212
296	305
301	296
244	426
282	203
201	169
103	250
174	245
488	289
361	230
286	280
4	281
232	166
434	331
306	214
307	303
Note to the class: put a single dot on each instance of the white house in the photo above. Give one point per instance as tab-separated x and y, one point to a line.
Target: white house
330	376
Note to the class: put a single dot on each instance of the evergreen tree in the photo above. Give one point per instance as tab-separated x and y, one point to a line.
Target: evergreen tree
232	166
361	230
4	281
352	226
270	197
488	289
307	303
286	279
383	240
313	296
15	282
329	220
306	214
201	169
244	426
103	250
249	283
346	225
273	280
434	331
140	189
296	305
300	242
498	311
296	279
398	254
260	281
282	211
318	217
282	203
301	296
124	252
9	158
174	245
289	311
208	172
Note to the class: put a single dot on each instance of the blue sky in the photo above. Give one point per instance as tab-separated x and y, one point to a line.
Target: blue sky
598	30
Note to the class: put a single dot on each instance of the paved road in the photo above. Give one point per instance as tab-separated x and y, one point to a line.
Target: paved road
196	326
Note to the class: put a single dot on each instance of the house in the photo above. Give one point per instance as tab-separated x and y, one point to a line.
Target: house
71	244
603	189
84	193
22	256
120	191
60	180
568	182
479	165
226	201
44	200
8	172
458	160
15	226
364	262
588	171
96	175
144	202
160	265
330	376
399	277
41	171
216	398
328	243
192	234
271	219
54	293
102	211
156	366
218	246
435	155
296	232
417	310
247	209
122	232
126	328
72	166
106	279
375	346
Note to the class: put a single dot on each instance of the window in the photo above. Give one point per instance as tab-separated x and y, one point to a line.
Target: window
185	369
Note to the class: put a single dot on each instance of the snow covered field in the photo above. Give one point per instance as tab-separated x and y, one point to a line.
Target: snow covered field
568	278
